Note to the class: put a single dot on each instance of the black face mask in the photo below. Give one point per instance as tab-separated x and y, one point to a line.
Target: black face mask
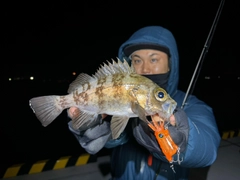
159	79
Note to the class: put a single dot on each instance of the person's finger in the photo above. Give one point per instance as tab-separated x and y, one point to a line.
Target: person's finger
104	115
72	112
172	120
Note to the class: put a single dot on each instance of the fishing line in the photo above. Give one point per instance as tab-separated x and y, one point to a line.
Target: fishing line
203	53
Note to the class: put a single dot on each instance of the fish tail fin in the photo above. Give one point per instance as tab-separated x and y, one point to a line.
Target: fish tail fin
46	108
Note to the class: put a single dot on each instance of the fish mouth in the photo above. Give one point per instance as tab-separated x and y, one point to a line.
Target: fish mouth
169	107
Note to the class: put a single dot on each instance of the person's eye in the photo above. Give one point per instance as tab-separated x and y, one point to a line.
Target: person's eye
154	60
136	61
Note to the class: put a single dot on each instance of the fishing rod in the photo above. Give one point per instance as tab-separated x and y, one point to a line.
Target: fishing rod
204	51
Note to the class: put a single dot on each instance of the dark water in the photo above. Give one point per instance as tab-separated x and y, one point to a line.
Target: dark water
24	139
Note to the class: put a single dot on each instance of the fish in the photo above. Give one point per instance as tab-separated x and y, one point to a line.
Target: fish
115	89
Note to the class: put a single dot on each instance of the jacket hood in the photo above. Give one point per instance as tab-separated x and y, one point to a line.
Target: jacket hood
160	36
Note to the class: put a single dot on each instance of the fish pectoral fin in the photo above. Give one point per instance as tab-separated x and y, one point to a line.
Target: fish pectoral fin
118	124
83	120
139	111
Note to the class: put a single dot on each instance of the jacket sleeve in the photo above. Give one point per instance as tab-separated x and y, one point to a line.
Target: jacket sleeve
204	137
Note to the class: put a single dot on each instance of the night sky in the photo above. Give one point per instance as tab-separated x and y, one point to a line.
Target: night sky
50	40
58	35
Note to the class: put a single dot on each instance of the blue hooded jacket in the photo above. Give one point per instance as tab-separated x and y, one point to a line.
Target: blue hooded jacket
129	158
204	138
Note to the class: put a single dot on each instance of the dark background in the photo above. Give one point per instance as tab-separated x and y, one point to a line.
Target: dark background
50	40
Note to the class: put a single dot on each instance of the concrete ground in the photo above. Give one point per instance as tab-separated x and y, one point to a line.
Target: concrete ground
226	167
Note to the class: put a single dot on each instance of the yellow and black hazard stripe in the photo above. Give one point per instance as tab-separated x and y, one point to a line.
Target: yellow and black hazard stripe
49	164
66	161
230	134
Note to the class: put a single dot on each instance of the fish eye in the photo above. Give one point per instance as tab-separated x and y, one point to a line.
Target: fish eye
160	94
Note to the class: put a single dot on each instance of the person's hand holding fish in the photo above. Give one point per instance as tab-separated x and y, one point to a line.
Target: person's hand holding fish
170	134
162	135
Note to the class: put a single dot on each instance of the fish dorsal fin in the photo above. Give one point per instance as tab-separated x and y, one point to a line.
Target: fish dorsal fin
80	80
113	68
118	124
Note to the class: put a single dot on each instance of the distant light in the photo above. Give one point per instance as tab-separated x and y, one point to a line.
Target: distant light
9	79
73	73
31	78
238	78
207	77
218	77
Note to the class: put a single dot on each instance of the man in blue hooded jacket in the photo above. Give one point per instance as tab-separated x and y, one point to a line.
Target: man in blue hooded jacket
152	51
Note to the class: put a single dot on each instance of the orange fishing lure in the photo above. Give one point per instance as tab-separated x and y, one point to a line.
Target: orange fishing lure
169	148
